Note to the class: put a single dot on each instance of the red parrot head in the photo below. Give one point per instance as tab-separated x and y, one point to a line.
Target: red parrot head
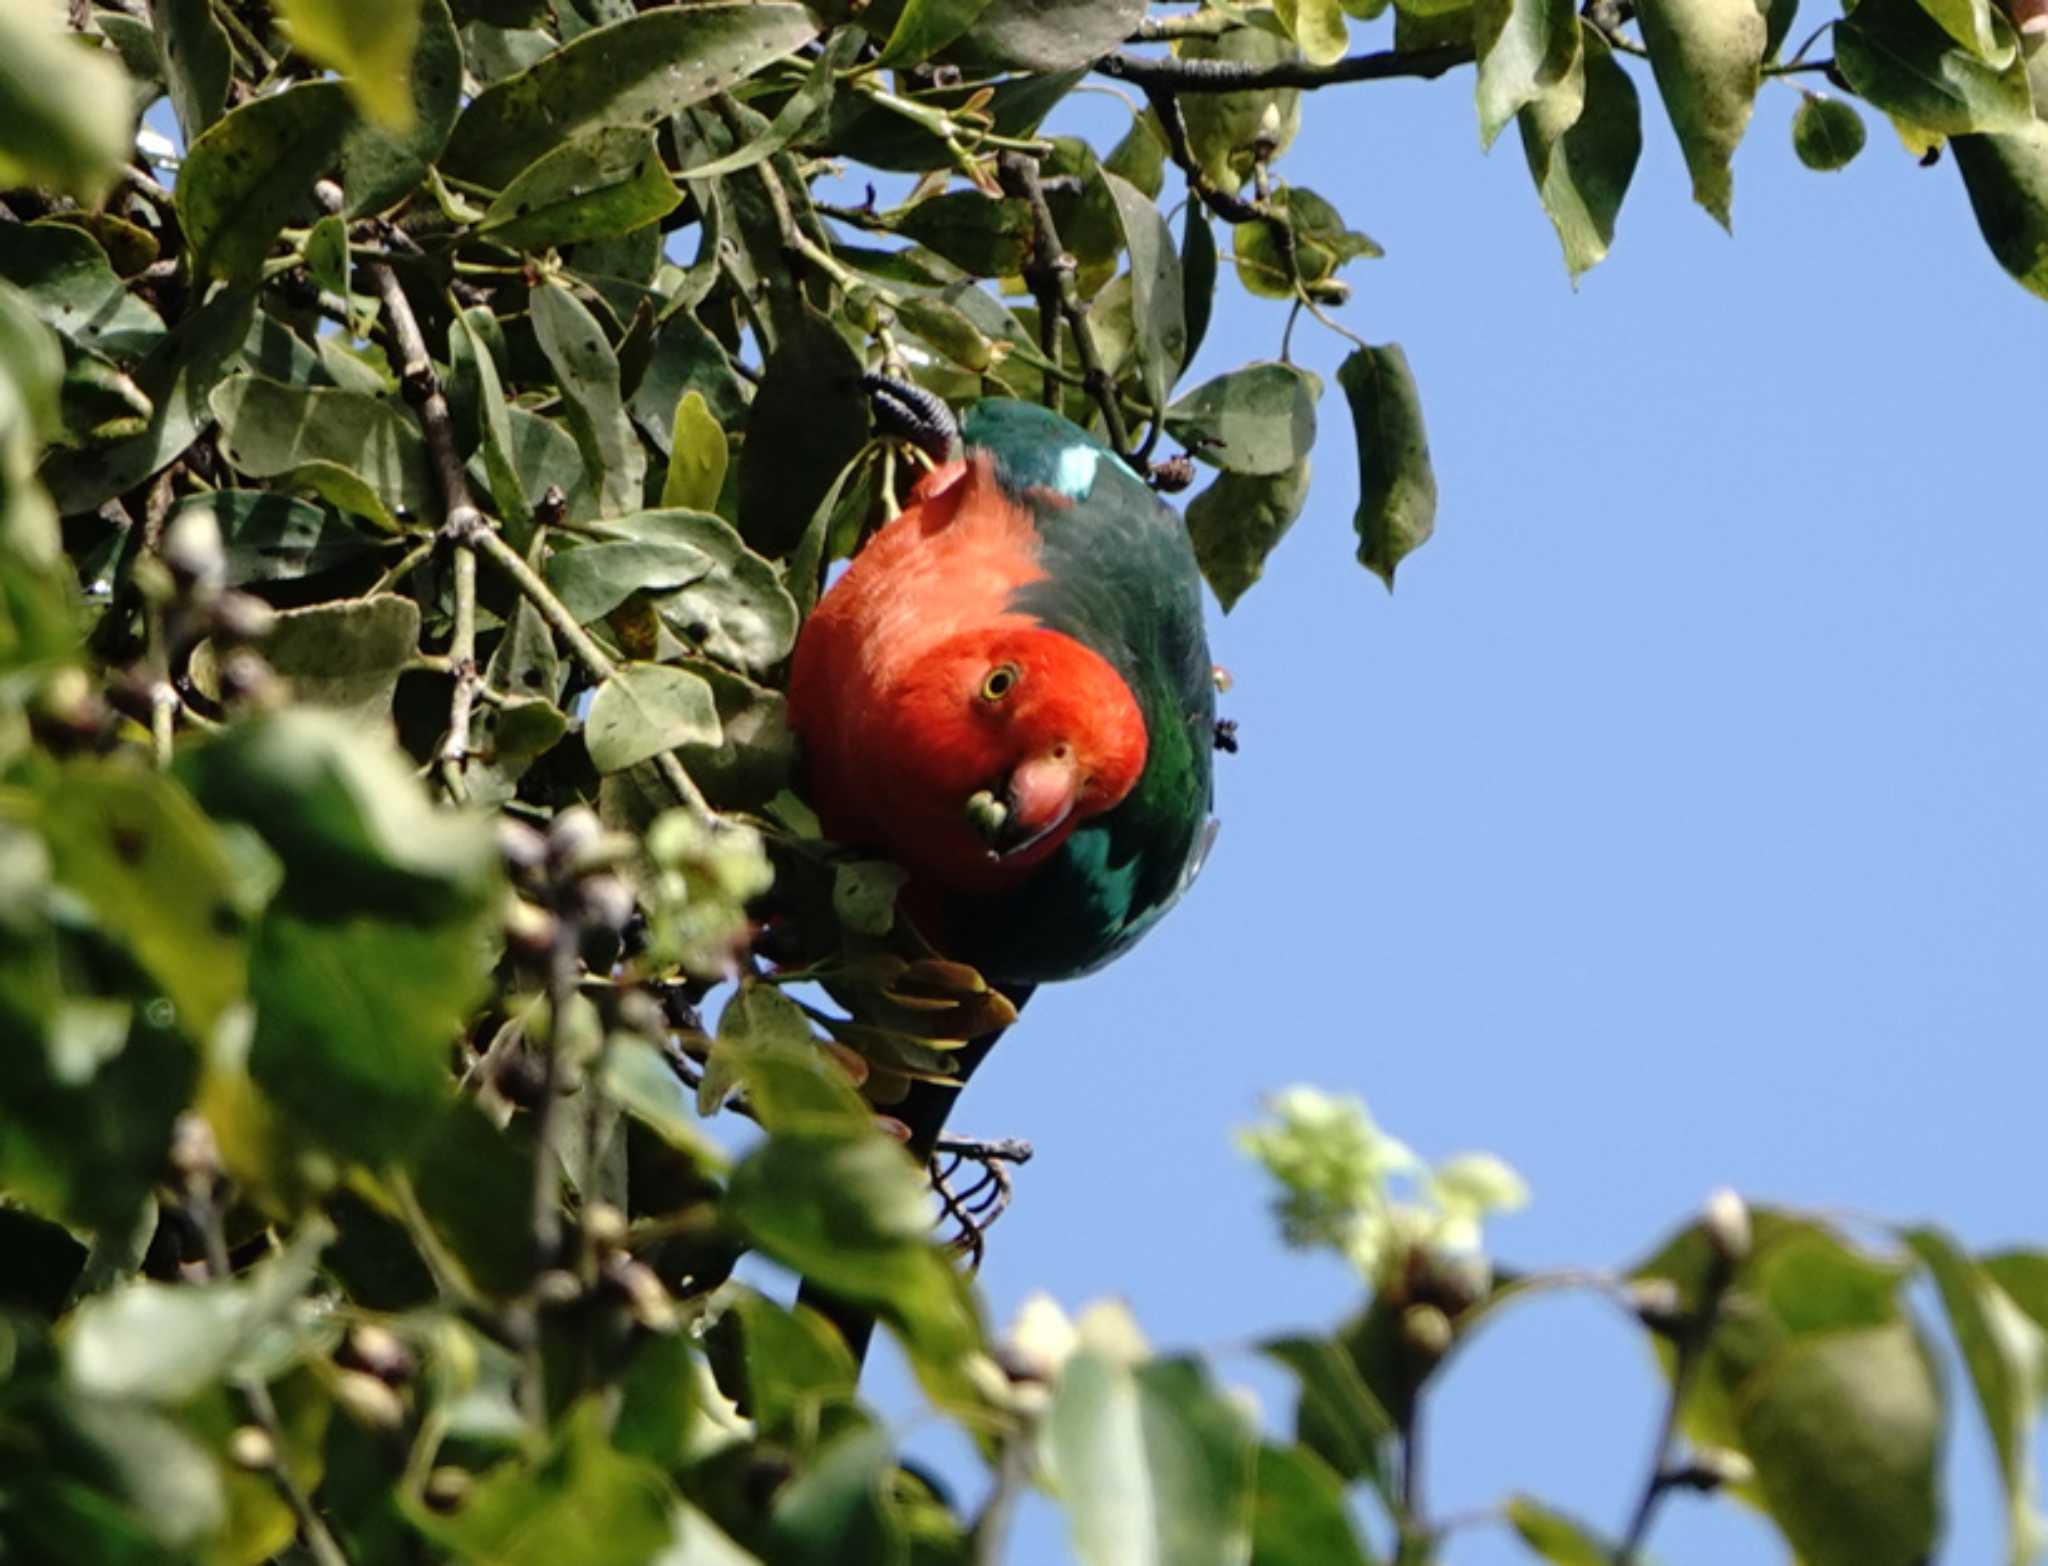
998	742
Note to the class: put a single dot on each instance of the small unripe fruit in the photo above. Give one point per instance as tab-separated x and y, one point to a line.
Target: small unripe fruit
251	1448
1725	1217
1426	1330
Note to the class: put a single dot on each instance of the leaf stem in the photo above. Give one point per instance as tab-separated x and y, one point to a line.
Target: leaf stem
1690	1350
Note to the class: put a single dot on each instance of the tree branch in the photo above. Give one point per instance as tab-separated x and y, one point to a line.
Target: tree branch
461	520
1049	274
1726	1222
1237	76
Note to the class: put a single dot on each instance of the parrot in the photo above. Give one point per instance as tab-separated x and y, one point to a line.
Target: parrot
1009	692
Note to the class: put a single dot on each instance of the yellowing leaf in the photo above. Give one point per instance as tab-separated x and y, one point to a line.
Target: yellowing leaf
697	457
370	42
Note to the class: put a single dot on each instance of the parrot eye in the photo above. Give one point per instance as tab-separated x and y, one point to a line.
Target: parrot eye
1001	680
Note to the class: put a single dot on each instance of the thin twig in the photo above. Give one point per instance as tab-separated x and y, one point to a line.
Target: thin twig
542	597
1690	1350
462	519
992	1525
1049	274
1238	76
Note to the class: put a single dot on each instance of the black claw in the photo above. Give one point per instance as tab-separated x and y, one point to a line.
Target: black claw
914	414
1226	736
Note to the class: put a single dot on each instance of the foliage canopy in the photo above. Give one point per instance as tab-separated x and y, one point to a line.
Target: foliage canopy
410	492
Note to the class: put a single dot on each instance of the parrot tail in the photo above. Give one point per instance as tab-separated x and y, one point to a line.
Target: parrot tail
924	1111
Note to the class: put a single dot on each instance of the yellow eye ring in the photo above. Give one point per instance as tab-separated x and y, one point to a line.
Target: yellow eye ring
1000	681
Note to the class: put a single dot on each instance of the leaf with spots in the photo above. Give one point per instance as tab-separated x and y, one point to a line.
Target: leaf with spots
589	369
347	656
1396	483
598	186
142	856
269	429
635	72
644	709
1235	523
253	172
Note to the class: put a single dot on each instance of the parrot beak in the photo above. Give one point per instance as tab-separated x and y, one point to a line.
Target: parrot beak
1034	803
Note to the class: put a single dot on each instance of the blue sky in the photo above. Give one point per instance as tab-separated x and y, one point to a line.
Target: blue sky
1676	823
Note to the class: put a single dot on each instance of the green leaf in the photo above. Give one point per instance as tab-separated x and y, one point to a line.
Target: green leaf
270	537
1158	303
1226	130
360	1012
839	1510
469	352
1198	275
848	1210
791	1362
1339	1419
347	655
1818	1376
2007	178
1898	59
2024	1277
381	166
1826	133
797	117
809	418
253	172
766	1046
1708	57
608	182
1235	523
707	586
635	72
369	42
1151	1461
1318	26
647	1089
1259	419
1299	1517
1974	25
341	810
164	1343
1396	485
1050	35
589	370
192	50
1582	138
581	1502
1845	1431
1141	156
697	457
986	236
1555	1536
1525	47
64	114
2006	1355
76	292
137	851
269	429
178	377
864	895
924	27
1322	246
644	709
